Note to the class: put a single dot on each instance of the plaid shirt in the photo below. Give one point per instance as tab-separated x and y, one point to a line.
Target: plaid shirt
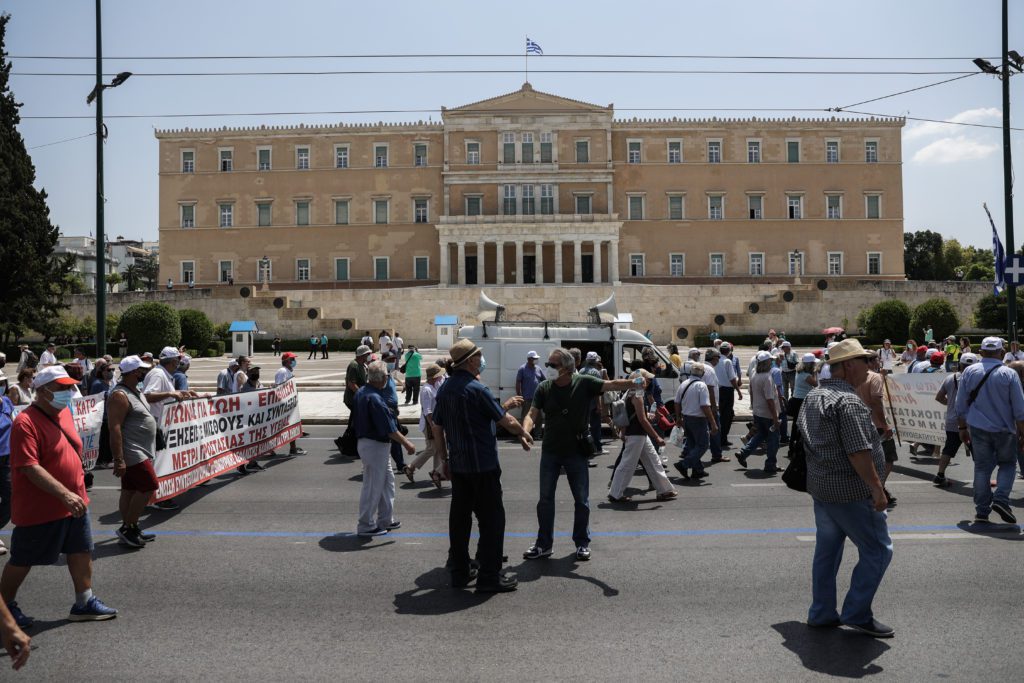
834	423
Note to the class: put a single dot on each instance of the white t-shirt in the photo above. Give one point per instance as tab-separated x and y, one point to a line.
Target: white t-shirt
752	366
47	359
240	380
888	358
691	399
711	379
1011	356
428	392
825	371
157	382
282	375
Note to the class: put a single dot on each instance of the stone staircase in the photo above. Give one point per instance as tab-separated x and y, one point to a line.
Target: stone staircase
759	314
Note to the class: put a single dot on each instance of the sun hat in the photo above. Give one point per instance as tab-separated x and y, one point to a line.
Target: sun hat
53	373
363	350
433	371
463	350
848	349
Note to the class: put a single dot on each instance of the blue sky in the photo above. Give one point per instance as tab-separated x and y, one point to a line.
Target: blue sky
948	170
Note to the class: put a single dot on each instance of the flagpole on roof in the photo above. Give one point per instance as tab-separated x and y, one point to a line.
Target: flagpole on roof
526	60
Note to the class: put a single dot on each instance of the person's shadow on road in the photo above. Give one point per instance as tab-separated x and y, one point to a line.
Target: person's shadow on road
350	542
434	595
565	567
832	651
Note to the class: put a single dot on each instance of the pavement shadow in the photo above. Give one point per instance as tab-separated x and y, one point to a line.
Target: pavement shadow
434	595
1004	532
111	548
433	492
347	542
39	627
761	475
155	516
833	651
961	488
563	567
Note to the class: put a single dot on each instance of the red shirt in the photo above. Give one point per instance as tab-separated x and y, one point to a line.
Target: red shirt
36	439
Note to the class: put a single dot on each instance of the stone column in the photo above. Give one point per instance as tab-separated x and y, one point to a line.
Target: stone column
519	262
480	263
597	261
445	275
558	262
613	262
538	249
577	261
462	262
499	263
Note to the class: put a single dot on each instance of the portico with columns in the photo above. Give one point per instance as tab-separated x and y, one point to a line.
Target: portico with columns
524	250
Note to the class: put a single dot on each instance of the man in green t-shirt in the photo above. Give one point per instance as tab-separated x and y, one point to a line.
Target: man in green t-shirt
411	361
565	399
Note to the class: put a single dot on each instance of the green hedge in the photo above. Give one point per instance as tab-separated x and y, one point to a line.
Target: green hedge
217	347
150	326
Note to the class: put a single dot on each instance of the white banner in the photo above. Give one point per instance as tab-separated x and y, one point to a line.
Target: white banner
205	437
917	416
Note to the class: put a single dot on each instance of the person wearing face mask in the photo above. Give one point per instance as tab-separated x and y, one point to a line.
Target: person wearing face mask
159	390
564	398
49	502
180	376
133	446
102	379
283	374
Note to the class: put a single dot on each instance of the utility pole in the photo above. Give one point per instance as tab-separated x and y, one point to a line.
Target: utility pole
101	246
1011	292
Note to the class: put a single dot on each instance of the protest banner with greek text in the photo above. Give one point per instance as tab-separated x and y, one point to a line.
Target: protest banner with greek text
918	417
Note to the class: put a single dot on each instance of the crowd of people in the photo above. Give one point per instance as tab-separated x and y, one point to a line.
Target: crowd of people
826	404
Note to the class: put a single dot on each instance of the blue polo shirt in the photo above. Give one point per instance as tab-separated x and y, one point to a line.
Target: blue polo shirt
466	410
1000	403
529	378
374	419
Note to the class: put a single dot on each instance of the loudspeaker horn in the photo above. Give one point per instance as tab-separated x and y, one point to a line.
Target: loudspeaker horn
605	309
488	305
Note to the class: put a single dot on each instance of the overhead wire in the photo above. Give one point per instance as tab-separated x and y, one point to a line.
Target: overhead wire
422	72
59	142
502	55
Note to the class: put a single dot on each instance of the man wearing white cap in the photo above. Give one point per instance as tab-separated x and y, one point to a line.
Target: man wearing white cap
49	502
159	390
788	367
990	416
764	402
947	397
844	477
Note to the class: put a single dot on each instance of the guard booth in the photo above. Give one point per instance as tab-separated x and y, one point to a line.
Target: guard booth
243	333
447	326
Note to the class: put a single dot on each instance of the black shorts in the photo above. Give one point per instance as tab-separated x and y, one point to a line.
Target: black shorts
41	544
952	444
889	450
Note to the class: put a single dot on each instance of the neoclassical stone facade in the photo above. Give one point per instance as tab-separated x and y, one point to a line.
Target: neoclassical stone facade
530	188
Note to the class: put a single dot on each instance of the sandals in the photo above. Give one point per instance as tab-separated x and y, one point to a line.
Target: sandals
408	473
668	495
436	478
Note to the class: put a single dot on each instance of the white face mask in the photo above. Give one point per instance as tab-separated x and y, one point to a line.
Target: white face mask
552	373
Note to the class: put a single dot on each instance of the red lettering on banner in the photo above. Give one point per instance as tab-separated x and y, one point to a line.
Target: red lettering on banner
220	406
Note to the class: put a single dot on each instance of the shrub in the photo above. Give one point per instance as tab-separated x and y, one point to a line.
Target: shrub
150	326
938	313
196	328
217	347
212	353
990	312
220	330
888	320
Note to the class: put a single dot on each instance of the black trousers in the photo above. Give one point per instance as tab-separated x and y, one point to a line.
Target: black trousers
477	494
412	389
726	401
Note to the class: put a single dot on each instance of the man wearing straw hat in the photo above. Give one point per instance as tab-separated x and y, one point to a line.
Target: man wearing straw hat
844	477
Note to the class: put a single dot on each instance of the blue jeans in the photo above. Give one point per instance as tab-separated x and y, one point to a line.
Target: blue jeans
993	451
764	432
595	428
697	441
578	474
869	531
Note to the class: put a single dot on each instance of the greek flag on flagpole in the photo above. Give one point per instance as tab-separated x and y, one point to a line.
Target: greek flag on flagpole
533	48
1000	256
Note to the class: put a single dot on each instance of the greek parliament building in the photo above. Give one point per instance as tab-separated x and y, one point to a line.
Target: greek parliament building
530	188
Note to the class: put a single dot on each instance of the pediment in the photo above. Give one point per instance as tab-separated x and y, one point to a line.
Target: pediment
528	100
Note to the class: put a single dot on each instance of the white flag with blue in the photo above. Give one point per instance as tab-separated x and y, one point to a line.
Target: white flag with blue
533	48
1000	256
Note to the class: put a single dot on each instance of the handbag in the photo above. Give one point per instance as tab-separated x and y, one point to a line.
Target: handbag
677	437
795	476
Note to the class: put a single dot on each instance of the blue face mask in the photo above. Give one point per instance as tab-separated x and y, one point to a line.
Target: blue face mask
483	363
61	399
293	363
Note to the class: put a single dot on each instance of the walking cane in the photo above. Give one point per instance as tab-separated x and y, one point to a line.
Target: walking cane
895	423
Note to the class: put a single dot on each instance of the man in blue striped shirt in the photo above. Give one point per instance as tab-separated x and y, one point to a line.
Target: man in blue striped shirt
990	412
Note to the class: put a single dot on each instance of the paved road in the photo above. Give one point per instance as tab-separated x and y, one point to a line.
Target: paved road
259	578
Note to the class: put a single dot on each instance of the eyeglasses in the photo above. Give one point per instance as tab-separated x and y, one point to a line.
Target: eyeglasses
553	366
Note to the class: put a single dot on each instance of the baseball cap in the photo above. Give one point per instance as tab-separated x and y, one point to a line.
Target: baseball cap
938	358
930	352
287	355
592	356
129	363
786	343
969	359
991	344
807	358
363	350
693	353
922	349
53	373
535	355
726	346
763	356
169	352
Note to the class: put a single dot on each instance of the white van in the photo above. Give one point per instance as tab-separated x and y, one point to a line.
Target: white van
505	345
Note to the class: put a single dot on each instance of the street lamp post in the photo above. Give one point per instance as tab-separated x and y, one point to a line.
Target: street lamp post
101	246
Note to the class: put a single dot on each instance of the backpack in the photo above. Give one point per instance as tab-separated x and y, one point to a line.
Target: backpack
620	413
